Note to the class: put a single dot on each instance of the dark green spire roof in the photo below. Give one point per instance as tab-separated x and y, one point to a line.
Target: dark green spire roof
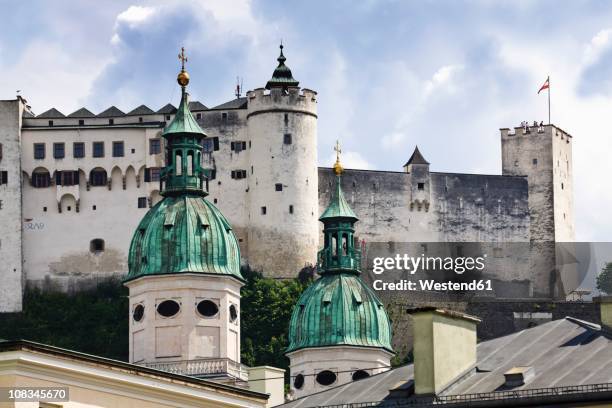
183	121
282	77
338	206
339	309
184	233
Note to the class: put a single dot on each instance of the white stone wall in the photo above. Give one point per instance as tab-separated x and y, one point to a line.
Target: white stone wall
10	207
284	239
188	335
107	212
341	360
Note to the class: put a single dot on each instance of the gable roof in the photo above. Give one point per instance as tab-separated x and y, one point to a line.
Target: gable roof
110	112
51	114
196	106
565	352
141	110
167	108
82	113
416	158
238	103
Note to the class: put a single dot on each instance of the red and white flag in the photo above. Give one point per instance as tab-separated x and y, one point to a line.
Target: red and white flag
545	86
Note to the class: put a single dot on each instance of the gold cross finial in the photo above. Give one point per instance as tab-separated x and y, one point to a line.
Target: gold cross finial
337	166
183	58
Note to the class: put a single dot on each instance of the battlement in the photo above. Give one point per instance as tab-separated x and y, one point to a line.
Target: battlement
535	130
294	99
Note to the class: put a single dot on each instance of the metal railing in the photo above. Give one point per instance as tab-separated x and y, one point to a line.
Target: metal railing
483	397
204	367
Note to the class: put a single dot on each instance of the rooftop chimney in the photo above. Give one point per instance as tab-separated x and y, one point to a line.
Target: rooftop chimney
605	310
444	348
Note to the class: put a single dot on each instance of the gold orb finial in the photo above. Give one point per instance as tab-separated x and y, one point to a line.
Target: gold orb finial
183	77
337	166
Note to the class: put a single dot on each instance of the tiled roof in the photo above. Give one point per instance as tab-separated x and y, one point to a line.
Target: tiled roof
111	112
167	109
51	114
82	113
565	352
416	158
141	110
197	106
238	103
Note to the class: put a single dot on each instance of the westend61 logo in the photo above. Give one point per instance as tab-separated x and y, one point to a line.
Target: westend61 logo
412	265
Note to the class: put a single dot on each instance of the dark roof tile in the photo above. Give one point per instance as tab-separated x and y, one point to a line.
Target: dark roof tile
82	113
111	112
51	114
141	110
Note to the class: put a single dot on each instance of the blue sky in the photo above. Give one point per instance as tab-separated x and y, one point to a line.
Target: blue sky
445	75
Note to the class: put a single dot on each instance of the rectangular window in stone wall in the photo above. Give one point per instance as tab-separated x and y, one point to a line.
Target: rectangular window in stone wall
78	150
58	151
39	151
287	138
154	146
118	149
142	202
3	177
239	174
98	149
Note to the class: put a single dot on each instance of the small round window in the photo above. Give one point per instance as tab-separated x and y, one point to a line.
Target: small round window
207	308
168	308
298	381
326	377
138	313
360	374
233	311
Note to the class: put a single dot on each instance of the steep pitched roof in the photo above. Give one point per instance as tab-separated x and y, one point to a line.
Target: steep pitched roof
141	110
51	114
183	121
27	114
111	112
416	158
238	103
338	206
82	113
281	77
167	108
565	352
197	106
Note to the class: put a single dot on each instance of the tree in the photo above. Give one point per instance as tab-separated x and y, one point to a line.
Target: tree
267	305
604	279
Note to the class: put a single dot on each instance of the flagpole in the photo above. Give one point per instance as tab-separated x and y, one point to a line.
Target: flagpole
549	100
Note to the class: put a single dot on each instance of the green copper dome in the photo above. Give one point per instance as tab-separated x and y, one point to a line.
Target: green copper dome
282	76
339	308
184	233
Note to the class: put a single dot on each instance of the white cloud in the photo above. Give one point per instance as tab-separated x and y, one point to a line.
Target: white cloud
598	44
135	15
442	79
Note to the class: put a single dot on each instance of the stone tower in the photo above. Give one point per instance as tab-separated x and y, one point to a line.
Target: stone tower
544	155
184	268
339	330
283	181
11	276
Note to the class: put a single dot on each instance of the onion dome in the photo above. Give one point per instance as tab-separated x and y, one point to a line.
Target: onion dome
282	77
184	233
339	309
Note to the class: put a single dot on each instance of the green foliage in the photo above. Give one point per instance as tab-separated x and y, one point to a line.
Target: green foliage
604	279
93	321
266	306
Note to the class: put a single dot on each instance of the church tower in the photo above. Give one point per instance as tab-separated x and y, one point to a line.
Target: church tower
184	267
283	181
339	331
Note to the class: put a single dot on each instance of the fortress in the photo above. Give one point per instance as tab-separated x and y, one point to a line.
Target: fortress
74	187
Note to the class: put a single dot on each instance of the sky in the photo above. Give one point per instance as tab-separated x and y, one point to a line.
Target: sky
390	74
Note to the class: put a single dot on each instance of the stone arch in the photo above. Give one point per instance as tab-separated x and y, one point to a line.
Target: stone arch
67	204
116	178
140	176
130	177
83	179
98	176
25	178
41	177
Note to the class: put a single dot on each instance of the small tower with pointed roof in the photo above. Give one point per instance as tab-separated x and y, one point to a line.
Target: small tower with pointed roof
420	181
282	181
184	267
339	330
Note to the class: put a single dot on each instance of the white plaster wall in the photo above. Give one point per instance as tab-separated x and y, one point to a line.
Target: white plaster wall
290	238
187	290
342	360
11	273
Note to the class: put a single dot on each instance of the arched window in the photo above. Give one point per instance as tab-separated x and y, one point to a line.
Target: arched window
344	244
98	177
190	163
41	178
178	163
334	245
